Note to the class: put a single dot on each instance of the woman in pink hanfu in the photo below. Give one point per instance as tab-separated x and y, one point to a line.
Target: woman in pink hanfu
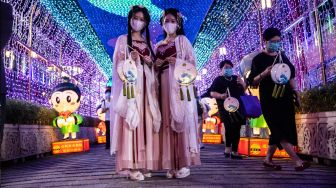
179	140
136	119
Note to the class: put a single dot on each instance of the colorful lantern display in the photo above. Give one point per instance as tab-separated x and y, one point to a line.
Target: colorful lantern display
257	147
212	125
212	130
101	129
71	146
65	99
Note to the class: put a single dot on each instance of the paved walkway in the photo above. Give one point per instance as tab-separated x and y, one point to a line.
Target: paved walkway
96	169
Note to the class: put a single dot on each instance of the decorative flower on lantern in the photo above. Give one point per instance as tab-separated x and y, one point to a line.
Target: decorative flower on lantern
65	99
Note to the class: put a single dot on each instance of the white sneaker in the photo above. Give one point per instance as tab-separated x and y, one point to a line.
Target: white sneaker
183	172
137	176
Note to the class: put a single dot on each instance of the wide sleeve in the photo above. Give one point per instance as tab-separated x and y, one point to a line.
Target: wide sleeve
119	56
255	71
190	54
118	59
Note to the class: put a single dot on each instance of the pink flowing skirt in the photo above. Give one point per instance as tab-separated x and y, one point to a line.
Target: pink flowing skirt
175	150
139	148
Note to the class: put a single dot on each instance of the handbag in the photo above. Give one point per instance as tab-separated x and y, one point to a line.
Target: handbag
251	107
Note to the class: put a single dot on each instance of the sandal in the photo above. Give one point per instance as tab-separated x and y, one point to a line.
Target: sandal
303	166
227	155
272	166
236	156
170	174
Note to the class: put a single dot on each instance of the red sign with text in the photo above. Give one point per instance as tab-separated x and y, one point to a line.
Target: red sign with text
258	148
71	146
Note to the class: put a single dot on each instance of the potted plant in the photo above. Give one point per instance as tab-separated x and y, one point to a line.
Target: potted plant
316	122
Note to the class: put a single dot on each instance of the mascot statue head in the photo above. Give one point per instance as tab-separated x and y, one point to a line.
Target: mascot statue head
66	97
212	104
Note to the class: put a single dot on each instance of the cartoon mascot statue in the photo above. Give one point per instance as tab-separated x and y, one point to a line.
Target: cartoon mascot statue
101	130
65	99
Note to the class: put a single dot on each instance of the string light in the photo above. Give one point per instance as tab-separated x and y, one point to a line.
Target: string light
121	8
221	18
300	39
109	18
222	51
266	4
68	14
79	30
41	60
204	71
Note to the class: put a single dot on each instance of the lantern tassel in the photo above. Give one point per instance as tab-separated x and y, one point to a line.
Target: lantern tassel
275	90
128	92
283	91
132	91
188	94
278	92
124	88
195	91
181	94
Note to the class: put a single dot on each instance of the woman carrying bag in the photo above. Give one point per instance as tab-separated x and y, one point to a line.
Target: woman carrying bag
225	86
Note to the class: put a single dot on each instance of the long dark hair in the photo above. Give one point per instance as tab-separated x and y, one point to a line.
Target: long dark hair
135	9
176	13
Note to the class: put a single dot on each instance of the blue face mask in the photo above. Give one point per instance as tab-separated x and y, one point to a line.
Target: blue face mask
228	72
274	46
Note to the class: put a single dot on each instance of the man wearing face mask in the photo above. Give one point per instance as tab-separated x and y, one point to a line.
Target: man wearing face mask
218	90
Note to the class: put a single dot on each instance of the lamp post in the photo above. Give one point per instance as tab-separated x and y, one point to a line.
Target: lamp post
319	37
30	54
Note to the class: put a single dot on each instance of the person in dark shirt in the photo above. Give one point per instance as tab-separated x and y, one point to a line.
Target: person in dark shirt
278	111
218	91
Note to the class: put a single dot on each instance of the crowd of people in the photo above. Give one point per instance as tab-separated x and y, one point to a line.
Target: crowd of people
156	130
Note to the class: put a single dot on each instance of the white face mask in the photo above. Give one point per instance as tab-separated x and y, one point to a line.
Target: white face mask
170	28
137	25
